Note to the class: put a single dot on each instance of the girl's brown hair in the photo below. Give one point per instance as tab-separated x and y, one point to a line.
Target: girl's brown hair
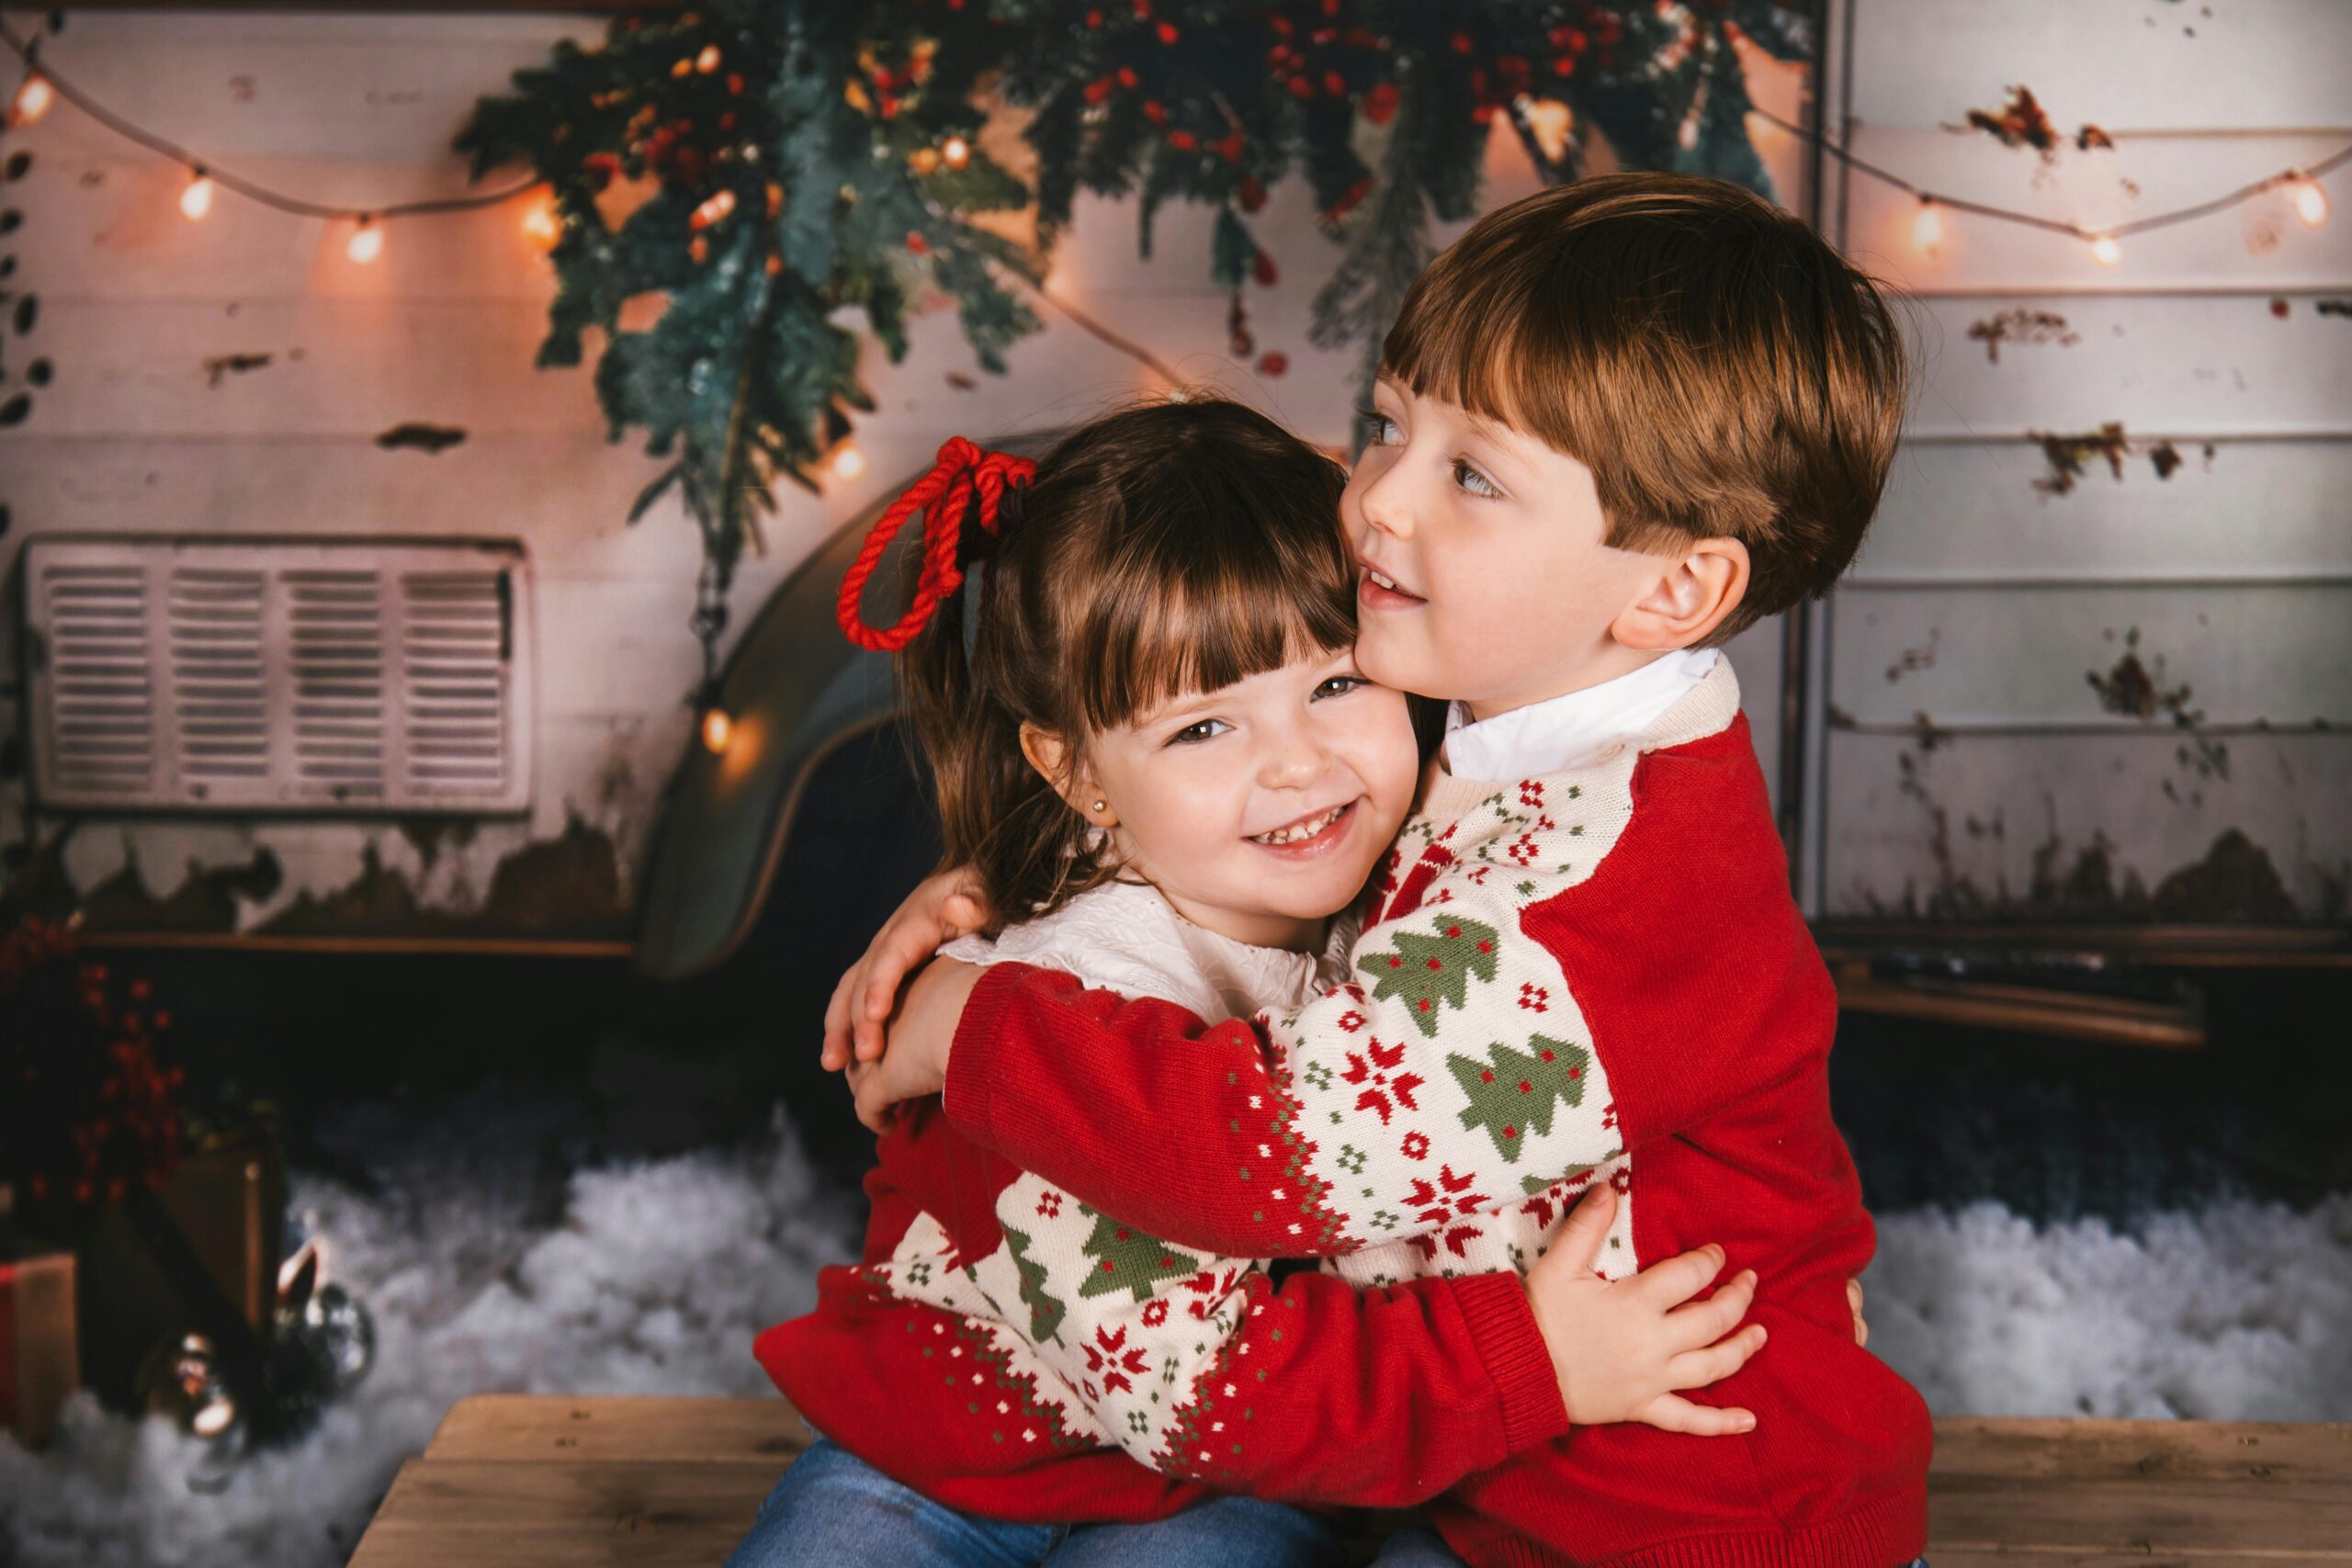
1163	550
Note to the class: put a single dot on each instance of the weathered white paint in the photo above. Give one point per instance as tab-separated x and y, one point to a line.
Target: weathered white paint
134	434
1983	605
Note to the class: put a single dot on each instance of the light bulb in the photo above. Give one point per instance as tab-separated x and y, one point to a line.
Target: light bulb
718	730
848	462
2105	251
707	61
1928	227
956	151
196	199
2311	201
33	97
540	223
367	241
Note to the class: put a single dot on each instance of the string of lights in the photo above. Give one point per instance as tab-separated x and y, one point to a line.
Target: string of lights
42	86
2301	185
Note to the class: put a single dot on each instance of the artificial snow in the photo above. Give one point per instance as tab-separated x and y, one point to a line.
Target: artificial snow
654	1276
647	1277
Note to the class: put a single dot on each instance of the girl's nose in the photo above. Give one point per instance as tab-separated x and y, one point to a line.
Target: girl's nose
1300	761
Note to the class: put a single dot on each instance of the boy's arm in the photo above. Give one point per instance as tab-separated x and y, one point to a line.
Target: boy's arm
1317	1391
1458	1071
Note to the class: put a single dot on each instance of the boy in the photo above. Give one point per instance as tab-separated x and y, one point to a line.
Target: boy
1618	422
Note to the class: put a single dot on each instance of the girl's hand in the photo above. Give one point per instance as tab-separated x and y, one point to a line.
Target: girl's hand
1622	1348
940	909
920	1042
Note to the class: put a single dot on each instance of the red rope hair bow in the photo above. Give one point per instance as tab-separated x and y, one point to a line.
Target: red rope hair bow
963	474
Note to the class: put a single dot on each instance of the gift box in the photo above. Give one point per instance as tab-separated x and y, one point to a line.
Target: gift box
40	1360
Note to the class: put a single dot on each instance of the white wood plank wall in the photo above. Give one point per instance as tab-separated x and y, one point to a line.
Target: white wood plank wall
1968	754
135	433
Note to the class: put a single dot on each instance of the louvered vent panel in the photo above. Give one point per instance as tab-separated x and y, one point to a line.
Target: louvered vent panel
100	717
312	676
335	624
220	681
453	655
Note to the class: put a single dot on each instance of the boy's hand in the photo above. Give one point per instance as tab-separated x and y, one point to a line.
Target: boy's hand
940	909
1854	1300
920	1042
1621	1347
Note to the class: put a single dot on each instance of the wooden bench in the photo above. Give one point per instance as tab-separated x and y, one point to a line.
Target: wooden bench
524	1481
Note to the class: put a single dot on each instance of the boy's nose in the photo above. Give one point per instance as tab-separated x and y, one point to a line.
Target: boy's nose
1383	504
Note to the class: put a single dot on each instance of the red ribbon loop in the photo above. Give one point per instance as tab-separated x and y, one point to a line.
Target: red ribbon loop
963	473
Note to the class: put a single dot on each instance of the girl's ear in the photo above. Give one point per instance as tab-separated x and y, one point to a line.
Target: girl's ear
1050	757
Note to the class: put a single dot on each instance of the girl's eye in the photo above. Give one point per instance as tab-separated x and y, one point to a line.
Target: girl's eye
1382	428
1194	734
1471	479
1339	686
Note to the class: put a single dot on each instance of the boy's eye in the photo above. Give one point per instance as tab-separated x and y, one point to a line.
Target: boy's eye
1471	479
1380	427
1338	686
1194	734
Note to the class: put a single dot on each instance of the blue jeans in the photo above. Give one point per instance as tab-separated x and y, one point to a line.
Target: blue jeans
833	1511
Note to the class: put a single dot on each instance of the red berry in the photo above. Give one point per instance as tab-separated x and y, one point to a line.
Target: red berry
1126	78
1252	194
1153	112
1300	87
1462	44
1335	83
1167	32
1380	104
1182	141
915	244
1230	148
1262	269
1095	18
1273	364
1097	90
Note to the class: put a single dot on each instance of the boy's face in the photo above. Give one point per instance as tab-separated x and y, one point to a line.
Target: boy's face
1504	594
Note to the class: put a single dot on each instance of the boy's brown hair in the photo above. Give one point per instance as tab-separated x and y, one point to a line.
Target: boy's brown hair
1160	551
1720	369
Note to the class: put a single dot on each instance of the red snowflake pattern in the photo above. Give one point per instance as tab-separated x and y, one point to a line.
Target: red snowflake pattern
1374	1077
1049	1204
1534	997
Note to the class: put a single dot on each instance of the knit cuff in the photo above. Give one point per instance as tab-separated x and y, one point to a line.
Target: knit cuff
974	1057
1503	1327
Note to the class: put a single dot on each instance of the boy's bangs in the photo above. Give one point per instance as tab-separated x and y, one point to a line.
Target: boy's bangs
1209	608
1481	351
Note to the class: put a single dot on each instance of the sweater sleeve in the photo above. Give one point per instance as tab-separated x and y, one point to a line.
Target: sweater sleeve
1315	1391
1456	1073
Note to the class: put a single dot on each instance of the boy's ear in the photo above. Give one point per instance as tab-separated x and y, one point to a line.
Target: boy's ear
1051	759
1690	598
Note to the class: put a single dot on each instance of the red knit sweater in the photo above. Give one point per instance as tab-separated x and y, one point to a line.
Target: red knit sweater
1012	1351
1587	977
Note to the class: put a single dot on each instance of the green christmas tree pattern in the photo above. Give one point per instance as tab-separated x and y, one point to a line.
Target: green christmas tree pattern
1127	1259
1426	970
1513	1090
1045	1310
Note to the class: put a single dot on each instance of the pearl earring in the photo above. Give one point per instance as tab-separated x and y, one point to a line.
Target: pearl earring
1102	805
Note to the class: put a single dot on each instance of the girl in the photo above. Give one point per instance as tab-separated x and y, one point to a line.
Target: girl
1158	746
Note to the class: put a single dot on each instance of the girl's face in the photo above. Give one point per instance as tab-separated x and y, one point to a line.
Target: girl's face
1259	809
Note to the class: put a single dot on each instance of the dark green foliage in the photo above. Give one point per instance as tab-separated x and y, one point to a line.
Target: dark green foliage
801	173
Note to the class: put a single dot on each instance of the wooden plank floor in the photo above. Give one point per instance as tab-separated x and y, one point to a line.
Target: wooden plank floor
521	1482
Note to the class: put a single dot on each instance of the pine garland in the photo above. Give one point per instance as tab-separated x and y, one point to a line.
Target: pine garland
765	166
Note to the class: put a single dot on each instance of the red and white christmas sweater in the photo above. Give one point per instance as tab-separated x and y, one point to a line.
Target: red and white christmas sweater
1008	1348
1593	975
